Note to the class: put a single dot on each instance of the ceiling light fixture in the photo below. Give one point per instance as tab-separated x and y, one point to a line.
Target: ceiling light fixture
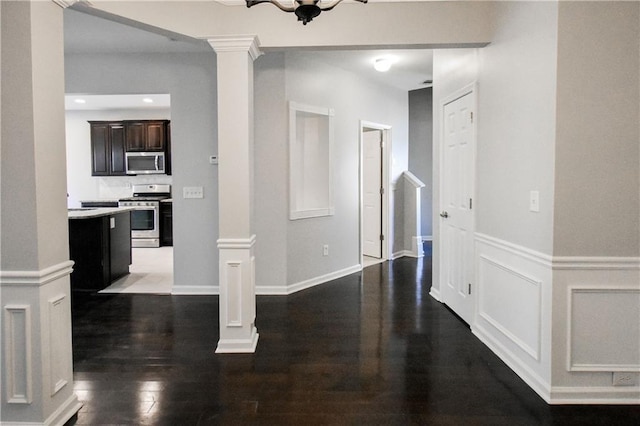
382	64
305	10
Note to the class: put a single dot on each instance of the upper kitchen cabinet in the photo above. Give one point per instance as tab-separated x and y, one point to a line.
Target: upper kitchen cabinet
146	135
110	140
107	148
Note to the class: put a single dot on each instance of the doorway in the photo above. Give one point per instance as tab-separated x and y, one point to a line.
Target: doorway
375	140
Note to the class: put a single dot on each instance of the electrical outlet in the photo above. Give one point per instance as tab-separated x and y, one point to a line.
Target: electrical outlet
325	250
624	378
192	192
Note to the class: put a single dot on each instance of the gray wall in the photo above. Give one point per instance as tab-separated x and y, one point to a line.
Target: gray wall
295	247
421	151
597	173
190	79
516	124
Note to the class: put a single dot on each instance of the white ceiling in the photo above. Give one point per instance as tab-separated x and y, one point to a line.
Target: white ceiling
84	33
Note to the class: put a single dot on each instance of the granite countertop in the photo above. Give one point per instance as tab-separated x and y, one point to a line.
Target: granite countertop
90	212
101	200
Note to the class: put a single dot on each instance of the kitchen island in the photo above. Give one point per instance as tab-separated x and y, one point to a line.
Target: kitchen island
99	245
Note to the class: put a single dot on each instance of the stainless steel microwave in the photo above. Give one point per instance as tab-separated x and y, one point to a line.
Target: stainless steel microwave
145	163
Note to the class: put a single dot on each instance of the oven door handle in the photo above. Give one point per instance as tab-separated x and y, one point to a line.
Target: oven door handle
156	162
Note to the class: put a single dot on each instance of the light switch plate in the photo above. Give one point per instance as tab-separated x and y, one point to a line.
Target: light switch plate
192	192
534	201
213	159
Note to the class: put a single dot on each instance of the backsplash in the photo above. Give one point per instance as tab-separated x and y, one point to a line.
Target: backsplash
115	187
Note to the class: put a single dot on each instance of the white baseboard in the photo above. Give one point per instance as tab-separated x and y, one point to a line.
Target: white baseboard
534	381
65	412
271	290
302	285
195	290
595	395
435	293
402	253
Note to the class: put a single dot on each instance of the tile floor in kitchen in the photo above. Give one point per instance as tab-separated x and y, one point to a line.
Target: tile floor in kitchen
150	272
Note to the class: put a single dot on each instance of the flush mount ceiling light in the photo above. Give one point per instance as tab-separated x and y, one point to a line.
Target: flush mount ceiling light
382	64
305	10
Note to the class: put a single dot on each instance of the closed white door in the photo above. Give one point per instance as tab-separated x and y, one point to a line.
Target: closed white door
456	216
372	194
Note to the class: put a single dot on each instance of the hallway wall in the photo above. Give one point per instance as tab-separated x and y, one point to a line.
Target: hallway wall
308	81
421	151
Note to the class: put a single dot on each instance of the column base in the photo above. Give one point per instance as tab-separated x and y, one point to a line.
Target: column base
229	346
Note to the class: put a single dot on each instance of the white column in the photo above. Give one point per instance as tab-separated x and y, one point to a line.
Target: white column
235	56
35	302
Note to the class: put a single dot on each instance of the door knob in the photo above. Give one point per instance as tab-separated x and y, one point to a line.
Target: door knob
444	214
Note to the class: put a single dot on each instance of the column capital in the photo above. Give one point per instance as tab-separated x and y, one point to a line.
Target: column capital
237	43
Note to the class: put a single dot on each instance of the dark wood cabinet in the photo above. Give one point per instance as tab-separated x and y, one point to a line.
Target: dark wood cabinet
166	224
146	135
101	250
107	148
110	140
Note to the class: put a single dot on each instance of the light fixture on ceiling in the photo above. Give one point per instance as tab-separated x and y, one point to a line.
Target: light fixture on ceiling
305	10
382	64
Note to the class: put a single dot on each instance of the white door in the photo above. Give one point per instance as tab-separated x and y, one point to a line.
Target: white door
372	196
456	217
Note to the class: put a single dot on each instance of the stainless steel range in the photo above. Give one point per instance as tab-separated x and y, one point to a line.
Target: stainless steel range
145	223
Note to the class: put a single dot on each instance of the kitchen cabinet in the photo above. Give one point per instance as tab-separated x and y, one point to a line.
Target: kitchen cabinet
166	223
100	247
110	140
146	135
107	148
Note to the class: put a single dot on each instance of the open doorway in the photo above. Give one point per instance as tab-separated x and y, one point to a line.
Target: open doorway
375	140
99	177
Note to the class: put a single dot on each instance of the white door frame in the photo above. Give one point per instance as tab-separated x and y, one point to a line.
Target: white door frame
473	90
386	185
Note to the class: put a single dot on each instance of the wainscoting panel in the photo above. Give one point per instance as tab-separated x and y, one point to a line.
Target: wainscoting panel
233	297
604	329
510	301
58	345
513	312
17	356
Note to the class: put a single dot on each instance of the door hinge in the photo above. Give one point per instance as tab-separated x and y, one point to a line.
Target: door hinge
470	203
381	191
381	237
472	116
469	288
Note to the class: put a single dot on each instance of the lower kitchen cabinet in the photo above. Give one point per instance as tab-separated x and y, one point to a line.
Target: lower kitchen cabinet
101	250
166	224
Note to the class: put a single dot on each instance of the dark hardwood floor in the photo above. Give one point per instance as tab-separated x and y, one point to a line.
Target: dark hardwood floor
368	349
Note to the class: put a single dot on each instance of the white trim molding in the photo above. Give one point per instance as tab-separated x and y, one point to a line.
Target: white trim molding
36	278
576	308
238	333
312	282
602	295
18	354
236	43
